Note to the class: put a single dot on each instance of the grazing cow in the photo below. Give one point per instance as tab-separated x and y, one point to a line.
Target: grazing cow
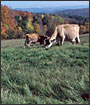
31	38
70	31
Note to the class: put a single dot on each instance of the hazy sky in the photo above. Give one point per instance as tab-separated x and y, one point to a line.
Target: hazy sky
33	4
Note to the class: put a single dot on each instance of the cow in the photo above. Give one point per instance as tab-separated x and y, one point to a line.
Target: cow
70	31
31	38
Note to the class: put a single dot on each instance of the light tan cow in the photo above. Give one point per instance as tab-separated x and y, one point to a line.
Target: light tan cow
31	38
71	31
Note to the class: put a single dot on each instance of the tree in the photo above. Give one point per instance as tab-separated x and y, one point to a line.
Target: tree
60	20
29	27
45	28
37	28
23	13
42	16
82	29
2	30
4	14
7	18
20	28
51	28
87	26
45	21
36	19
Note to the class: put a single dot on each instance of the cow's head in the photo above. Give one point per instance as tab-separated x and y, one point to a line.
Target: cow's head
51	42
27	41
48	43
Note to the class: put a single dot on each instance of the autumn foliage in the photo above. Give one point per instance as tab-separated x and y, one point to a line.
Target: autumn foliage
15	24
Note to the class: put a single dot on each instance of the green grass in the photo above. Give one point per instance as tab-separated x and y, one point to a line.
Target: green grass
59	75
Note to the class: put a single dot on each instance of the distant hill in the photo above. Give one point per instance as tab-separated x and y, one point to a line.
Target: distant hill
79	12
37	10
50	9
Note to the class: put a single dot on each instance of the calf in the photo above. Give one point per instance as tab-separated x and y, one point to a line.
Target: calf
31	38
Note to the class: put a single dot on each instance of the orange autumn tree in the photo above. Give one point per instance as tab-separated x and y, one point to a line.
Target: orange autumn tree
8	21
2	29
7	17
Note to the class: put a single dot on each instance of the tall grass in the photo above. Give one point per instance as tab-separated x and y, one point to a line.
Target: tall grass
59	75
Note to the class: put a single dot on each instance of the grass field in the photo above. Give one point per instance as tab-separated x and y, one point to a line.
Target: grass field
59	75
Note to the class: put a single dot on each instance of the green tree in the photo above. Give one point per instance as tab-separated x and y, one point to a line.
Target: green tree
60	19
45	21
36	19
29	27
37	28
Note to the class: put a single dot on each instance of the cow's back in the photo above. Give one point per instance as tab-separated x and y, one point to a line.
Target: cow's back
69	30
33	37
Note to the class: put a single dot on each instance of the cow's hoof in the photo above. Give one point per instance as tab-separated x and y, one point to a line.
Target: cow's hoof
61	44
73	42
78	42
46	47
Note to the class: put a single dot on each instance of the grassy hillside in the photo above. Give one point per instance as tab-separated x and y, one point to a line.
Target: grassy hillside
59	75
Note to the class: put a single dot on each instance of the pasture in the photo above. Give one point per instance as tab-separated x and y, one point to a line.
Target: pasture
58	75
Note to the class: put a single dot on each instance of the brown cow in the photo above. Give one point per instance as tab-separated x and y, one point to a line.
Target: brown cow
31	38
71	31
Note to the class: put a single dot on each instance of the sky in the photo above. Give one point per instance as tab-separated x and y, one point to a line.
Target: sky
38	4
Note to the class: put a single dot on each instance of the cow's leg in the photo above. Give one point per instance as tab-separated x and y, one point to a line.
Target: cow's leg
29	44
63	38
78	39
58	43
73	41
49	45
25	44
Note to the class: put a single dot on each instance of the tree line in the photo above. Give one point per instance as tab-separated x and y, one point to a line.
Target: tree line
15	24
